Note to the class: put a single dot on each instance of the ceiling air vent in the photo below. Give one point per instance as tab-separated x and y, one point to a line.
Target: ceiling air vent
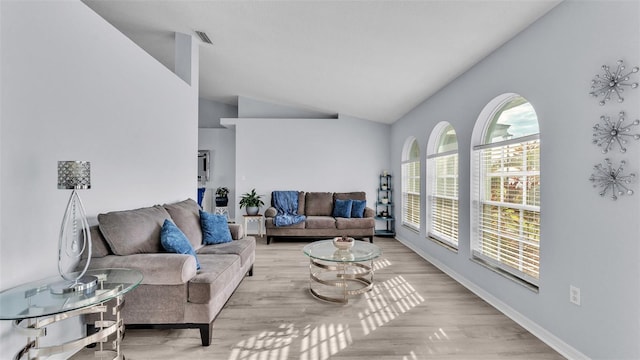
204	37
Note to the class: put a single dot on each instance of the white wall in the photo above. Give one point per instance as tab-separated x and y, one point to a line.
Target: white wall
74	88
2	51
222	146
252	108
587	241
210	112
334	155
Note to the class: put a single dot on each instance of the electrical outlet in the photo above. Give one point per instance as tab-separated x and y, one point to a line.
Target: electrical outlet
574	295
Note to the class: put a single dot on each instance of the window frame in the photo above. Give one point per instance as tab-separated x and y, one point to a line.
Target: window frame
480	247
432	158
406	164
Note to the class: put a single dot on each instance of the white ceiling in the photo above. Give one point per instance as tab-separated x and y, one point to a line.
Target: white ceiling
374	60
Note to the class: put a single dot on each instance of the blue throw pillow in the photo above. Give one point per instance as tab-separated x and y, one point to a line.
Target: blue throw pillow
215	229
342	208
357	208
173	240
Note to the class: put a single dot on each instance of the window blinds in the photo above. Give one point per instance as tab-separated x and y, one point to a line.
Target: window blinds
506	206
443	197
411	194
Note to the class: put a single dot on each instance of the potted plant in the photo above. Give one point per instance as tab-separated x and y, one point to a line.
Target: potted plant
221	196
251	201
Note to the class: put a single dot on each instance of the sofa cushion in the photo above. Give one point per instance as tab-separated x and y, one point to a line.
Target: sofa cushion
320	222
301	202
175	241
354	223
99	246
186	216
157	269
133	231
245	248
218	271
356	195
342	208
215	229
268	223
318	204
357	208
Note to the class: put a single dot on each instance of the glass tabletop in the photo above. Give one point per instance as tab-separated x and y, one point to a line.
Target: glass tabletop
35	299
325	250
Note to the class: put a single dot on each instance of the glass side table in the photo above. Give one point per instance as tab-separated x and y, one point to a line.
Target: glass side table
33	306
339	274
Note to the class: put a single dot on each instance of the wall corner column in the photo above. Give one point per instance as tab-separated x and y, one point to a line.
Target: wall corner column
187	59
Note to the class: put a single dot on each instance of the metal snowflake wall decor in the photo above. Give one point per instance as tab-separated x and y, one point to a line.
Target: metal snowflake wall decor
612	83
608	133
606	177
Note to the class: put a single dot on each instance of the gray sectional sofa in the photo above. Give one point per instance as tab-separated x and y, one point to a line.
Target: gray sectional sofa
320	222
173	294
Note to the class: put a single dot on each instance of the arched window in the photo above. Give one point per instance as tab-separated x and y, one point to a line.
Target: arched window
411	184
442	185
506	187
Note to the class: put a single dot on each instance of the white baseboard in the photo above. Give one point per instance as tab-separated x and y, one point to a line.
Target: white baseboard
538	331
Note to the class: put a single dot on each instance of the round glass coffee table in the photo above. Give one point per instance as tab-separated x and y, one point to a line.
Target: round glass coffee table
335	275
35	305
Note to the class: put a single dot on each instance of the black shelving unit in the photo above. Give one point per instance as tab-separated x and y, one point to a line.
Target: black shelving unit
384	207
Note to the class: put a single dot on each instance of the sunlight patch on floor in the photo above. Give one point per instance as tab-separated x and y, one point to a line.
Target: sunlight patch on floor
411	356
386	301
317	343
320	342
381	264
439	335
273	345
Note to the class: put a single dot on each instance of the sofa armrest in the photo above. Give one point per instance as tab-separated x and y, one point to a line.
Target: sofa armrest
270	212
237	232
369	212
156	269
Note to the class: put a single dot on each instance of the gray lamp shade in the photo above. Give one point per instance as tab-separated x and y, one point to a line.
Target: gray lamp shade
74	175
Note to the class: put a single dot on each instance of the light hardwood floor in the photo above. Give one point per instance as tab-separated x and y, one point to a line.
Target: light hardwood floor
414	312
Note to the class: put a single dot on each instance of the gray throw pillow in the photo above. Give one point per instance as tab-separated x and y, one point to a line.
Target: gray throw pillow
318	204
133	231
185	215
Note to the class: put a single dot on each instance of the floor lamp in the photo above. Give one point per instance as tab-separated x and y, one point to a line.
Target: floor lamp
75	237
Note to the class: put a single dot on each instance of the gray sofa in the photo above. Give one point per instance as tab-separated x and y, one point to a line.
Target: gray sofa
173	294
317	207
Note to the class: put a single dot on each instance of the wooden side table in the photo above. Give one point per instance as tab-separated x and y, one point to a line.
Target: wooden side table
222	210
259	218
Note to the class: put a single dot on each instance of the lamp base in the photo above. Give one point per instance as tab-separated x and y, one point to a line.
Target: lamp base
85	284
